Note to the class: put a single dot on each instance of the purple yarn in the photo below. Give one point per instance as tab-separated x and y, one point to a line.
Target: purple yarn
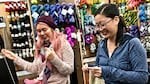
89	39
72	28
134	31
68	31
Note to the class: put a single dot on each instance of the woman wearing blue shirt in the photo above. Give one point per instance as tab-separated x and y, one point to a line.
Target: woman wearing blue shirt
121	59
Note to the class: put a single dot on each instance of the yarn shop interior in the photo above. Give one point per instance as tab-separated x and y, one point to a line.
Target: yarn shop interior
75	18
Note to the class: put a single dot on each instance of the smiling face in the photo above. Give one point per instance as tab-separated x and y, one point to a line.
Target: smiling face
107	27
44	31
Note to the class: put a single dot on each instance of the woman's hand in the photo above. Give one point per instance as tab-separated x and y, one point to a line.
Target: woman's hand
97	71
8	54
49	53
85	68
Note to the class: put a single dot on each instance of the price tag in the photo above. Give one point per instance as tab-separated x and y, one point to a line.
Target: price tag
70	11
64	12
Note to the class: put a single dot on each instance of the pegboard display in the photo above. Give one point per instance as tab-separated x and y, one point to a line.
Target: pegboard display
136	15
19	27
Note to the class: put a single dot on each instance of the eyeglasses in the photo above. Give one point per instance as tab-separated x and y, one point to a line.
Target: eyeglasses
100	25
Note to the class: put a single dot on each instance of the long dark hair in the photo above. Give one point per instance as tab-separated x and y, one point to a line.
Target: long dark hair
111	10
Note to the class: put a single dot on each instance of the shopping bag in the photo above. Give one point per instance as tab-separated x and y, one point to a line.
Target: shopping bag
95	80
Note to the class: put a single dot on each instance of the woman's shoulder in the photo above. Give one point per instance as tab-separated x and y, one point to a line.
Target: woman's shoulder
131	39
128	36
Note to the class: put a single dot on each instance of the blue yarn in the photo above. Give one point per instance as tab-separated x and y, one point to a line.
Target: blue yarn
86	20
59	10
52	8
65	17
53	13
34	8
40	9
71	18
142	7
142	14
47	8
